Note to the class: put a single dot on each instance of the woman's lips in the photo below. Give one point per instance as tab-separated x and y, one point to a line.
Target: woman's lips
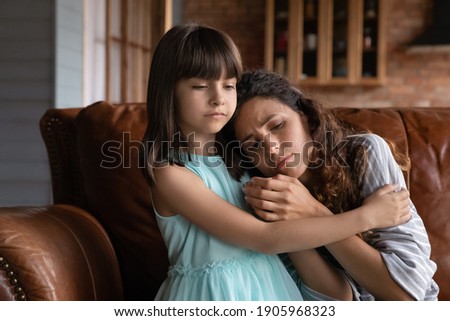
281	164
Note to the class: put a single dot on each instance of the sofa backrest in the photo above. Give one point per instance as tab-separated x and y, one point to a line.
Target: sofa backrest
94	156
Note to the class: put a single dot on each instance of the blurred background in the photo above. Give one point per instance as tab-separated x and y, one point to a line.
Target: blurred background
71	53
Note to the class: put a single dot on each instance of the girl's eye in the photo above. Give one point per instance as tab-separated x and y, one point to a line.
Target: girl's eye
200	87
230	87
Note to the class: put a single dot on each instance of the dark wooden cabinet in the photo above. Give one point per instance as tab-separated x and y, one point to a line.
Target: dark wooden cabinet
327	42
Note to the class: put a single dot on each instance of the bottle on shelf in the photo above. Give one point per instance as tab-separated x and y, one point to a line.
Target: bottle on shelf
370	11
368	43
310	9
311	41
340	67
281	15
281	42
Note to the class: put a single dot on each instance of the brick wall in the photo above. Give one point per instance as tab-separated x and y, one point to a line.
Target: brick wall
420	79
242	20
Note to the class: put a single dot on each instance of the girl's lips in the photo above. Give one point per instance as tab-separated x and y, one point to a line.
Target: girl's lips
283	162
216	115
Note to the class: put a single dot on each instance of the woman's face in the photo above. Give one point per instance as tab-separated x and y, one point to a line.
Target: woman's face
275	137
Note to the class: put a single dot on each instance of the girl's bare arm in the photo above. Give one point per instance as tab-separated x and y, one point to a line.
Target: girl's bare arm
178	190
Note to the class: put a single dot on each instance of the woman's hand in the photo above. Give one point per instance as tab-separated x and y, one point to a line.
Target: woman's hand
282	198
388	206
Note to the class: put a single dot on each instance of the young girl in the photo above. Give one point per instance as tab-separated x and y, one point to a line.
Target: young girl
274	122
215	247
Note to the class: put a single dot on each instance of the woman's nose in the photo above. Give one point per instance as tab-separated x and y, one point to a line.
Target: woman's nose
271	145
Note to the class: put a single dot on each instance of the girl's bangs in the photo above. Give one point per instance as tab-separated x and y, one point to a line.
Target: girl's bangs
209	62
208	65
222	63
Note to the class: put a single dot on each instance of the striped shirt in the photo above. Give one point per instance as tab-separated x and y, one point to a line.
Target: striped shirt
405	248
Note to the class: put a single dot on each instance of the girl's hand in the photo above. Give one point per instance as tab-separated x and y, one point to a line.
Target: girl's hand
387	207
282	198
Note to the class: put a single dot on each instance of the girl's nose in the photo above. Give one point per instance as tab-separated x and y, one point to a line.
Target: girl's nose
217	99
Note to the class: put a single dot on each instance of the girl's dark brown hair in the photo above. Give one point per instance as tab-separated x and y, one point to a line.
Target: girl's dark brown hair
185	51
339	166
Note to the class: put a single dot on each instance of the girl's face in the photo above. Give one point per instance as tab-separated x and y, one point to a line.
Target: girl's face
274	136
204	106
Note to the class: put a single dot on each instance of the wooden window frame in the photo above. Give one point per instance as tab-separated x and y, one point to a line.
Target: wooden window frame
135	55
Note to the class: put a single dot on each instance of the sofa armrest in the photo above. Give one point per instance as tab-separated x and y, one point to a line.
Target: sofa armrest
56	252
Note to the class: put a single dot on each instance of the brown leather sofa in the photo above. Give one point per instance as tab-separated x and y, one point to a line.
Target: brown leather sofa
99	240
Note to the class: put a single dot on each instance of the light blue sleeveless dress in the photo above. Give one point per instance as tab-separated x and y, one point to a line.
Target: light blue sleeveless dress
206	268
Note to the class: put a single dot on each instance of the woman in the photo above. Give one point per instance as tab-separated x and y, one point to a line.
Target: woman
303	150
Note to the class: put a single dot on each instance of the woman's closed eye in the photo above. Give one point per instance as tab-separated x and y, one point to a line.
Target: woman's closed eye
251	145
278	125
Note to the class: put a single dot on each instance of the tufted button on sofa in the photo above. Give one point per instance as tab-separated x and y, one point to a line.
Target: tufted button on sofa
99	239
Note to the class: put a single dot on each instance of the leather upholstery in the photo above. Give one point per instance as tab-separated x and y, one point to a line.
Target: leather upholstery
56	252
109	147
107	238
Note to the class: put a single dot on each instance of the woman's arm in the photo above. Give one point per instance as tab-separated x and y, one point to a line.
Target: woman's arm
319	274
405	249
178	190
399	256
287	198
366	266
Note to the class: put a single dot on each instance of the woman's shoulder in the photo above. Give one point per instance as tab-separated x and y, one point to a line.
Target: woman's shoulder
369	141
365	138
379	153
